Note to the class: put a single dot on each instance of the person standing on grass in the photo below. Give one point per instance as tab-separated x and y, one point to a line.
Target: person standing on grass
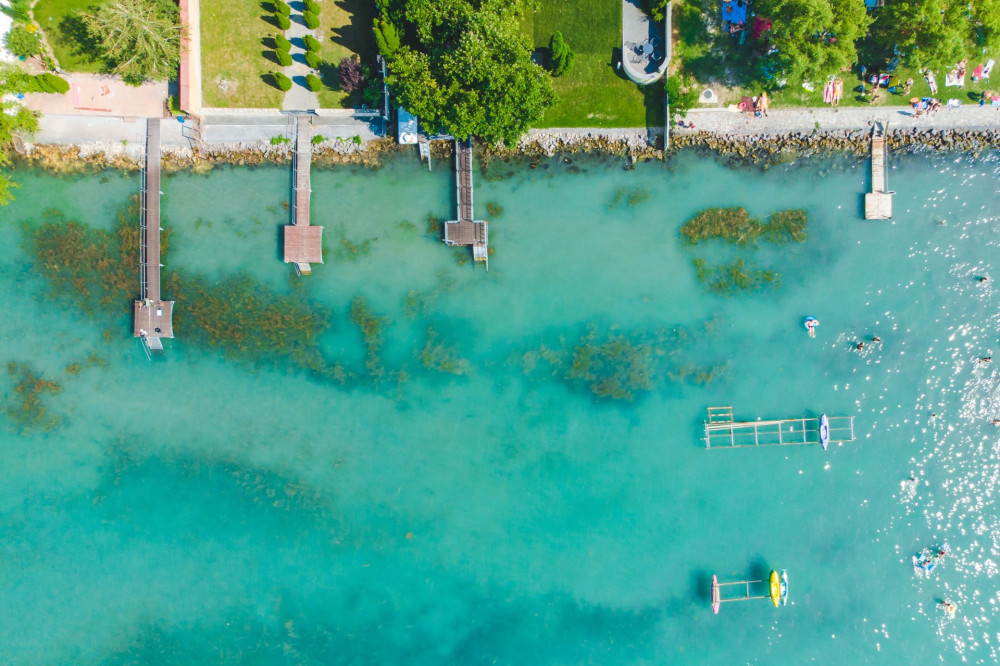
907	86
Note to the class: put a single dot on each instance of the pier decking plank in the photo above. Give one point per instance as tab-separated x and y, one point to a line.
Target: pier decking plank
152	318
303	242
466	230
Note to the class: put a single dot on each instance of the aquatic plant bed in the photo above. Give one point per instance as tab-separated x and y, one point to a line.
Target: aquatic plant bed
65	33
345	29
592	93
736	226
235	35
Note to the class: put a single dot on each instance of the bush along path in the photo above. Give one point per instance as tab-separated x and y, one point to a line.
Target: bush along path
300	97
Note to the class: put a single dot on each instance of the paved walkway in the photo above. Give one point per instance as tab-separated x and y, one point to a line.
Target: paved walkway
102	95
642	44
299	98
783	121
109	132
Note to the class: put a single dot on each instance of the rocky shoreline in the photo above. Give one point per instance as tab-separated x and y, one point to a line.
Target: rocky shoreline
631	145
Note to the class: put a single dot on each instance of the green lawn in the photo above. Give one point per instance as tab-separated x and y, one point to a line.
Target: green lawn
65	33
717	59
345	28
235	40
592	94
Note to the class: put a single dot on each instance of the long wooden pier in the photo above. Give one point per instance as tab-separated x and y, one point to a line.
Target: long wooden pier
303	242
152	317
722	432
878	203
465	230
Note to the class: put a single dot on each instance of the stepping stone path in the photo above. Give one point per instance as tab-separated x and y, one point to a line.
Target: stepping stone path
299	98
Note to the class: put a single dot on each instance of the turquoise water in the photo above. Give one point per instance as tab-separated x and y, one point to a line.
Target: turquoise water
203	509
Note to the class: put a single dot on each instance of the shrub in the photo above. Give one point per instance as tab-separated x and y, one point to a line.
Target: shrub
314	83
351	74
23	42
282	8
283	21
312	44
283	82
313	60
312	20
318	139
386	37
53	84
312	7
284	58
561	58
282	44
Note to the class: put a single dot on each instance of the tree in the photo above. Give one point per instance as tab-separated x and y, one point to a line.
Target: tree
138	39
283	82
281	7
314	83
562	57
813	37
468	69
19	10
281	43
681	97
15	119
313	60
937	33
284	58
351	74
21	41
284	22
312	7
312	44
386	37
312	20
656	8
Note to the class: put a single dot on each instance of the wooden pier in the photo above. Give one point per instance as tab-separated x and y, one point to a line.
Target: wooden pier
722	432
303	242
465	230
152	317
878	203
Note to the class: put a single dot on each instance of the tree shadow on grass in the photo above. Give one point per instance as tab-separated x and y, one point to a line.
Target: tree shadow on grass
72	30
271	57
270	80
356	36
271	20
652	99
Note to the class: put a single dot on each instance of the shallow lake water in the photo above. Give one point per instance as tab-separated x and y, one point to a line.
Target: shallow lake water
208	508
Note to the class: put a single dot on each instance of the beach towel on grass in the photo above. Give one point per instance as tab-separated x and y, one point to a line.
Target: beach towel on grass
988	68
954	80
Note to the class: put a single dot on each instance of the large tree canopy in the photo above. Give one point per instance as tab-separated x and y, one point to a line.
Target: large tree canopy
138	39
814	38
465	67
938	33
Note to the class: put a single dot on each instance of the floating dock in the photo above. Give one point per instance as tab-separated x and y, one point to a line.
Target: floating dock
465	230
303	242
723	432
878	203
152	318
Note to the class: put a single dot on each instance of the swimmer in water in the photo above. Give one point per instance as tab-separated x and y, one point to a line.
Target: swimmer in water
949	607
861	346
876	339
982	278
986	359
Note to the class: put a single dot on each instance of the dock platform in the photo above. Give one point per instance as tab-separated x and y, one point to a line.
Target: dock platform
723	432
303	242
152	317
878	203
465	230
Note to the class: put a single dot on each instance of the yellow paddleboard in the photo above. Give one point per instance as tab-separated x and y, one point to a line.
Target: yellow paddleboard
775	588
